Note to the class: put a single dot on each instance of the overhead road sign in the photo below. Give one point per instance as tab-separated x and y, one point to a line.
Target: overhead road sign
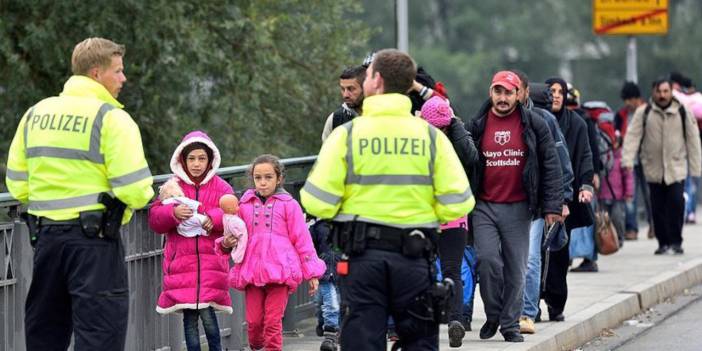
629	17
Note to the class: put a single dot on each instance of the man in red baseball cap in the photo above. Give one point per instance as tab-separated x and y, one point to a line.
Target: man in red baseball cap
517	179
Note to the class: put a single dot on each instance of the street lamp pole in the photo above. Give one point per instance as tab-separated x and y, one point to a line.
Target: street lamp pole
631	69
402	26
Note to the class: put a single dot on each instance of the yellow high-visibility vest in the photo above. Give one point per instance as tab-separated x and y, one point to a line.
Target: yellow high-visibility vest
70	148
388	167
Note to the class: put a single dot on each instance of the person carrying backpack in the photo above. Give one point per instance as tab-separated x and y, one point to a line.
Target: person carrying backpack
666	134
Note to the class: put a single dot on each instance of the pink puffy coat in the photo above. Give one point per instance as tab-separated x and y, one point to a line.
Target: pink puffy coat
280	248
621	180
194	276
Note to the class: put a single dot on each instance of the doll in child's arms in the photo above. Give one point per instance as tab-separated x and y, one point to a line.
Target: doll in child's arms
235	234
171	193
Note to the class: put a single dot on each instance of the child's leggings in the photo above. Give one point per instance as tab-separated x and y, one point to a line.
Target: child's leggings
265	307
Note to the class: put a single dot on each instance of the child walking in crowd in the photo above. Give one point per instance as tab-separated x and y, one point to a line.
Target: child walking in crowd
194	276
453	238
279	254
617	189
328	312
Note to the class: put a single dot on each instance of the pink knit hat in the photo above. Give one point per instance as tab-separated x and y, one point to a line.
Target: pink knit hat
437	112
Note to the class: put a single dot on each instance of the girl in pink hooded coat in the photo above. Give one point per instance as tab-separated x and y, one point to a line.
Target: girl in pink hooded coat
194	276
279	253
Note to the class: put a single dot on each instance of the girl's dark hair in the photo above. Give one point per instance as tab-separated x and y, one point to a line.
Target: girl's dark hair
196	146
273	161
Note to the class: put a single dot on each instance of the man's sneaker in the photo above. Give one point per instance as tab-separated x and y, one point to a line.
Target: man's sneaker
488	330
330	339
392	335
526	325
318	330
513	336
586	266
661	250
691	218
456	333
677	249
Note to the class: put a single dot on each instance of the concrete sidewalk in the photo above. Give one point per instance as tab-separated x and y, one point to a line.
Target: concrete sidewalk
628	281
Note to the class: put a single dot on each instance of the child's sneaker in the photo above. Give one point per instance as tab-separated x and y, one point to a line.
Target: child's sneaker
330	340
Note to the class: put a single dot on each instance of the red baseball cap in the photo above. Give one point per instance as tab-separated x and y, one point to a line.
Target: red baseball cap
507	79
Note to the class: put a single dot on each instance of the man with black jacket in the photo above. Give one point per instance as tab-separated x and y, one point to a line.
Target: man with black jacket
351	85
532	285
517	178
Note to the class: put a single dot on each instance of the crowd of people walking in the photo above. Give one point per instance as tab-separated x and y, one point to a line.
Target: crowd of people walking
408	209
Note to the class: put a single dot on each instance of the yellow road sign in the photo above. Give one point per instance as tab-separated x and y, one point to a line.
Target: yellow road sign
630	17
609	5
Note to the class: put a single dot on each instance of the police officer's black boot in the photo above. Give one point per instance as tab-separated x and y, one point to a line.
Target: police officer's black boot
330	339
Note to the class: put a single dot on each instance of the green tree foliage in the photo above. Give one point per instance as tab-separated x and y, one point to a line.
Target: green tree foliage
463	43
258	76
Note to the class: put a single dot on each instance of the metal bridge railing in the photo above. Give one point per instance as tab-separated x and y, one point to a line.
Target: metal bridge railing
147	330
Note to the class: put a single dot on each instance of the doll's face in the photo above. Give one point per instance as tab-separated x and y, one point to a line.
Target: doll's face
169	190
229	204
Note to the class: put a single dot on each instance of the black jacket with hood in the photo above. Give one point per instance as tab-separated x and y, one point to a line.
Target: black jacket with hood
575	131
541	179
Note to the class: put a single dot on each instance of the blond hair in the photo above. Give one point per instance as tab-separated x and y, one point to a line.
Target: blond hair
94	52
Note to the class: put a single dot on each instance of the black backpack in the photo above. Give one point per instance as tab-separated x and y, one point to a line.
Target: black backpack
606	148
683	118
341	116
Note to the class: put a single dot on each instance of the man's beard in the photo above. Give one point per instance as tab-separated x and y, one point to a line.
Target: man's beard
504	108
354	104
663	104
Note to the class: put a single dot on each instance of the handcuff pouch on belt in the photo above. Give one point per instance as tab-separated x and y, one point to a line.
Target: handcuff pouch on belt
352	238
103	223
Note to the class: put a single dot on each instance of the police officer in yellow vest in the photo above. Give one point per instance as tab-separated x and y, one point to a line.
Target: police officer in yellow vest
77	161
387	179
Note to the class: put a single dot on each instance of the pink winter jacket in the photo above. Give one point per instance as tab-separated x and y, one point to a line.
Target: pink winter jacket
194	276
280	249
621	180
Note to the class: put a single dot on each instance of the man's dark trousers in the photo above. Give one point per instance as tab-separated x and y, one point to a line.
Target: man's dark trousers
668	207
382	283
502	246
79	285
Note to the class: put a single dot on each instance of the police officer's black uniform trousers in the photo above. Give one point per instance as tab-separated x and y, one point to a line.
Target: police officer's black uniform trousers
381	283
79	285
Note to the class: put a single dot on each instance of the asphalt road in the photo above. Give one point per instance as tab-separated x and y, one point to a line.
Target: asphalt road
680	332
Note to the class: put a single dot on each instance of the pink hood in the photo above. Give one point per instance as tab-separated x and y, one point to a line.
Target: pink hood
194	276
194	137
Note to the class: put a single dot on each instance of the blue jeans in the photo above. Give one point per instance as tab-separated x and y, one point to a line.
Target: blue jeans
691	186
328	303
209	323
468	305
532	284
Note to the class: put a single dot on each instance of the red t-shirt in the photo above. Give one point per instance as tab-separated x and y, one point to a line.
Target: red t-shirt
504	149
